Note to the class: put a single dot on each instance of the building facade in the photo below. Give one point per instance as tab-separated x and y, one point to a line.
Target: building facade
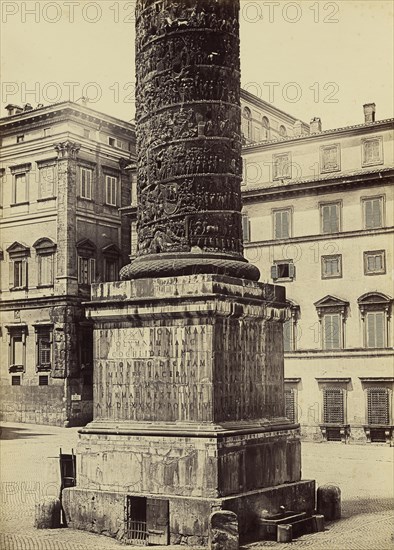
63	183
318	219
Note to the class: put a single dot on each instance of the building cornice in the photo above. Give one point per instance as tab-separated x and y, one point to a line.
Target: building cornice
334	354
37	302
356	129
61	111
321	184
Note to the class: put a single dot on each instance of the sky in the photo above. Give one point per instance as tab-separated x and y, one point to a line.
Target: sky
309	58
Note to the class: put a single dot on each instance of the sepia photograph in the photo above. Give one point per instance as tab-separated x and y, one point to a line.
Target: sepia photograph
196	274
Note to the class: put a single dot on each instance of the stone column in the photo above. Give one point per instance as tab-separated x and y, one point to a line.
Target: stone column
188	124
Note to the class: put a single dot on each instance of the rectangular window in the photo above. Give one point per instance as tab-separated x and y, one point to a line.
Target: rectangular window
290	405
47	132
330	217
86	270
18	273
111	269
45	269
111	190
281	166
43	380
331	266
283	270
378	406
15	380
372	151
245	228
375	329
282	224
111	141
86	133
332	331
47	181
373	212
17	349
44	347
333	406
86	183
374	262
20	138
330	158
20	188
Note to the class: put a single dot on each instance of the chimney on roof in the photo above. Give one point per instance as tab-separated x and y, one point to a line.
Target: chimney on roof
369	112
297	128
315	125
13	109
27	107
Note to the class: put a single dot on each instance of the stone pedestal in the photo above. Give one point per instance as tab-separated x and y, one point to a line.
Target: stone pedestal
188	411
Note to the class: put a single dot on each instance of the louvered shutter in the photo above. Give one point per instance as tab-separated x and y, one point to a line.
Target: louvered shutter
92	270
378	406
11	267
290	412
333	406
287	335
24	274
245	228
373	213
332	334
291	270
274	272
375	329
326	219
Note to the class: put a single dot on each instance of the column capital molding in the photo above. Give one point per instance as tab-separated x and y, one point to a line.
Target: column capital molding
67	150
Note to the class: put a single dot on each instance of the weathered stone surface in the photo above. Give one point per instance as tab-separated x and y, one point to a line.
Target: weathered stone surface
329	502
284	533
223	531
47	513
188	126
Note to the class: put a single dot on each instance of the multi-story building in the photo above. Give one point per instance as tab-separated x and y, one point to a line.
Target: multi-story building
318	219
63	181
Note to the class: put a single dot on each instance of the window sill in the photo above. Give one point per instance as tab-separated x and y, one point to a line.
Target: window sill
16	288
19	204
85	199
43	199
43	368
377	162
329	170
110	205
375	273
49	285
16	368
284	280
331	277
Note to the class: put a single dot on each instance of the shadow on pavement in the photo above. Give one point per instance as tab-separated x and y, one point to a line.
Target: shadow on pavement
19	433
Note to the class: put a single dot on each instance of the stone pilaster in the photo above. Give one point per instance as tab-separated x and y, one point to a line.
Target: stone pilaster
66	276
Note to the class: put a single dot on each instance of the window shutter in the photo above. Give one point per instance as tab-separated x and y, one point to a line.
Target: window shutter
92	270
245	228
80	279
24	274
379	329
287	335
285	225
326	219
333	406
377	218
274	271
378	406
332	334
290	411
291	270
11	267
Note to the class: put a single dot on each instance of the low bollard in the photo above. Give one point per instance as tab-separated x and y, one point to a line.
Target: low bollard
47	514
284	533
329	502
223	531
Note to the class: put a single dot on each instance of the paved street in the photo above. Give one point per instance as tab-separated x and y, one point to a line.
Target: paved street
29	471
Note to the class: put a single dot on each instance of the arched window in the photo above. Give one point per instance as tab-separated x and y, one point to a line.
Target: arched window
45	251
266	128
282	131
247	124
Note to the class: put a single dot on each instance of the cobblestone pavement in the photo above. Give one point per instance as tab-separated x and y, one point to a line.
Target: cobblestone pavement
29	470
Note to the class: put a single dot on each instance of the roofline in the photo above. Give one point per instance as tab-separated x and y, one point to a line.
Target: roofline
389	122
268	106
39	111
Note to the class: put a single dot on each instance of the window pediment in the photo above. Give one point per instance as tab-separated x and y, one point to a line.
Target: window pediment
111	250
44	246
370	298
331	304
18	250
86	246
